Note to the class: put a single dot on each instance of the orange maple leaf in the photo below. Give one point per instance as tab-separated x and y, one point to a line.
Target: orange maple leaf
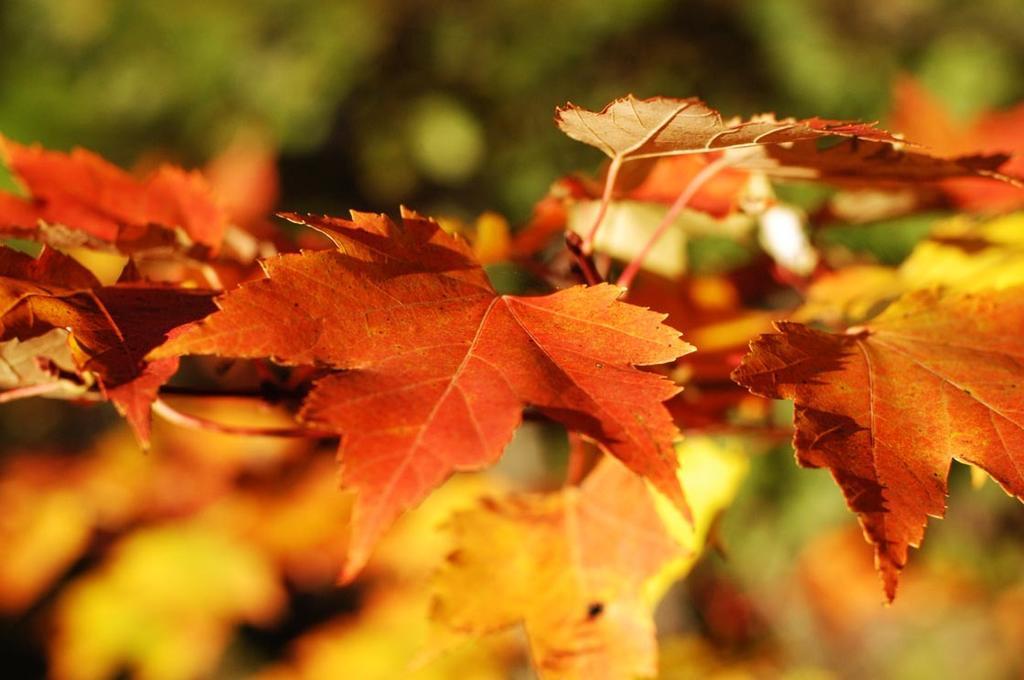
887	407
437	367
84	192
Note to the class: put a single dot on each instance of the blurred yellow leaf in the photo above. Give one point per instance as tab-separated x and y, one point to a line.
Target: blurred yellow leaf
418	543
971	257
44	527
301	523
382	644
582	568
491	243
162	605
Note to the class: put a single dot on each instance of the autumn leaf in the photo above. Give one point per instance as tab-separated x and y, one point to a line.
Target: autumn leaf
438	367
44	527
382	644
631	128
83	192
887	406
856	162
582	569
112	328
391	635
41	365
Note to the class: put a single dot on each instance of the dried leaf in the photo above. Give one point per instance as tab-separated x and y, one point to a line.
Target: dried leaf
631	128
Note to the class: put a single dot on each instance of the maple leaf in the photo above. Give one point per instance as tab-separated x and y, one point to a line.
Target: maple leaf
83	192
583	568
886	407
856	162
112	328
438	367
630	129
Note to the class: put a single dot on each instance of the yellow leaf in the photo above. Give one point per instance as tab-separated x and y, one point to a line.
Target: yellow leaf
973	257
583	568
381	644
491	243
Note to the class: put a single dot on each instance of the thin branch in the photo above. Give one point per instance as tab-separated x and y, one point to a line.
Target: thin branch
172	415
583	260
28	391
272	394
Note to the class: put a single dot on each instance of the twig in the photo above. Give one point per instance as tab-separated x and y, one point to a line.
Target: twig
28	391
172	415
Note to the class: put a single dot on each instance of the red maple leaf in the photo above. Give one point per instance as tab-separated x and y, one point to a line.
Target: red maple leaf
436	367
887	407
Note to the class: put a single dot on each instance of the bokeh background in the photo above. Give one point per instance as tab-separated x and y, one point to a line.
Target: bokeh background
447	107
449	104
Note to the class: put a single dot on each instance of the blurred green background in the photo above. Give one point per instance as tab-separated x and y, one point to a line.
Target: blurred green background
447	106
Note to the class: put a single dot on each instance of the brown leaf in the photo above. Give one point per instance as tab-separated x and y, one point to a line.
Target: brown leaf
629	129
632	128
856	162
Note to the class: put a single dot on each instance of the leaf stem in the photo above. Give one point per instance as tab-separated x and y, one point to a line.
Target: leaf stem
606	198
699	180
